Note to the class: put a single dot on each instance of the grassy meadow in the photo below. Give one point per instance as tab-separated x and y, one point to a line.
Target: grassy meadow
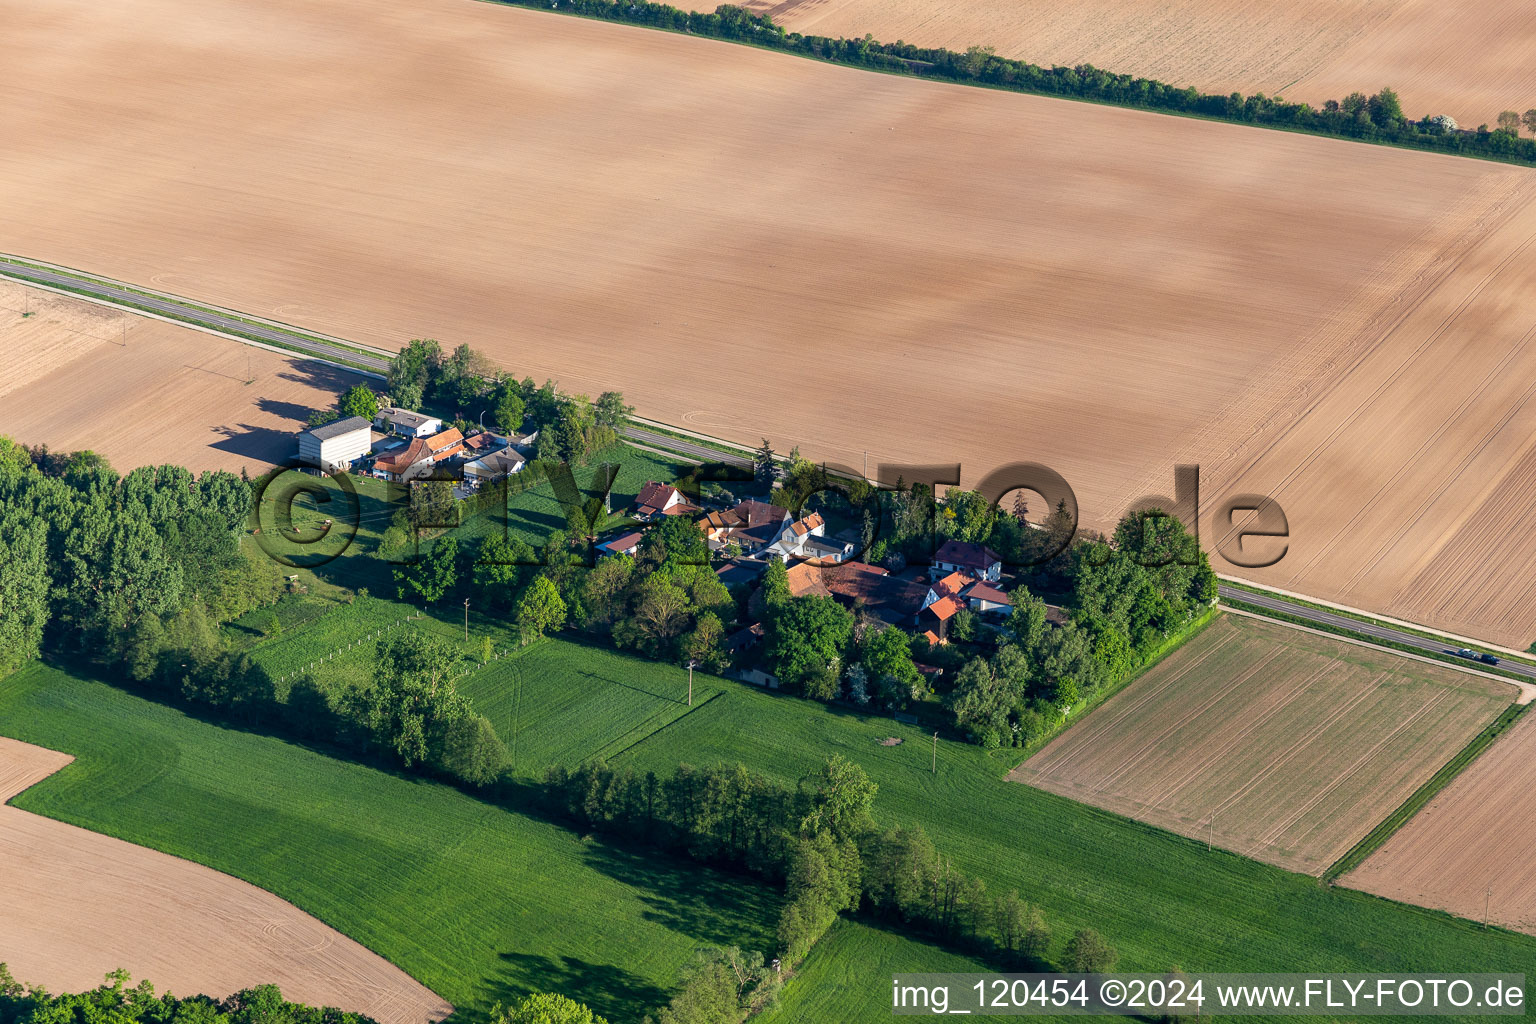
478	902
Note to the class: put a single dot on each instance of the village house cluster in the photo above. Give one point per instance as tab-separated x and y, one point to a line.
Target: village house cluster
745	537
401	445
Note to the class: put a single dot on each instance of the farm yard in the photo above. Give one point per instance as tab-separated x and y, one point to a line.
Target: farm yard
1130	233
78	904
1466	60
1466	852
143	392
1273	743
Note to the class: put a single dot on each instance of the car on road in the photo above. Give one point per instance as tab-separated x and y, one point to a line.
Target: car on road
1467	652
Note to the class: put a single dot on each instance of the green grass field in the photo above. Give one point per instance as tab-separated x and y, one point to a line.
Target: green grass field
1160	899
478	903
847	977
561	703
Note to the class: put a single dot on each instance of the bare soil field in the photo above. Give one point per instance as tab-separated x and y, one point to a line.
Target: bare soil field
1469	60
754	244
144	392
1468	851
1277	744
79	904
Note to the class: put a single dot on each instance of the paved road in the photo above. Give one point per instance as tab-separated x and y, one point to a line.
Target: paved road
187	312
171	307
674	444
1327	618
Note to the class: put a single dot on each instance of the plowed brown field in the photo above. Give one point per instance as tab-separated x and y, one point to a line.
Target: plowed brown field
79	904
752	244
1281	745
1468	851
1469	60
72	377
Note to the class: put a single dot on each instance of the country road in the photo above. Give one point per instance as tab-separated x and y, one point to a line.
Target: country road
241	328
187	312
1327	618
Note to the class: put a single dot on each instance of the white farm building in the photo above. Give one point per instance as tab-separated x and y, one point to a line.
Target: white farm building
336	445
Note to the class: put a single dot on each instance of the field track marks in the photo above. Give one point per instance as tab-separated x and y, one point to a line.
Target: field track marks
1269	838
1209	702
1449	479
1379	329
1287	698
1063	760
1382	389
1312	733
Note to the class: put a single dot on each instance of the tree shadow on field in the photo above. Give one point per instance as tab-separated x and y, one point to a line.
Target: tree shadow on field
331	378
713	906
611	991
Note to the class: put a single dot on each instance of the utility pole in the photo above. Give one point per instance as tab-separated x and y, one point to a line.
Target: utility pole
691	663
1210	837
935	768
1487	900
466	620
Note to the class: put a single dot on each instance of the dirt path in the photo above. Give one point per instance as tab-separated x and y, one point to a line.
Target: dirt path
78	904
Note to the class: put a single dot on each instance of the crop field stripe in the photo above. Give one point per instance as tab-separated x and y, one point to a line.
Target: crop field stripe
1297	746
1453	473
1269	838
1420	797
1340	428
670	722
1064	759
1236	741
1381	389
1210	701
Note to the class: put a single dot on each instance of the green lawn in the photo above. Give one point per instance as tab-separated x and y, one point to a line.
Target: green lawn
847	977
1160	899
478	903
561	703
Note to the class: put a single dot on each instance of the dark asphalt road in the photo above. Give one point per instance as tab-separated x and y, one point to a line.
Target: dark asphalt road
1328	618
673	444
190	313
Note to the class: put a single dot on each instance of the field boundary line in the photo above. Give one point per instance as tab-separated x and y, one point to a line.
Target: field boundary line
195	304
668	725
1420	798
1527	690
1416	627
189	324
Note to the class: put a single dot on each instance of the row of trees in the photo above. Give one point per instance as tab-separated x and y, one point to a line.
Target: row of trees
1376	118
1130	594
571	427
119	1003
820	841
1510	121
